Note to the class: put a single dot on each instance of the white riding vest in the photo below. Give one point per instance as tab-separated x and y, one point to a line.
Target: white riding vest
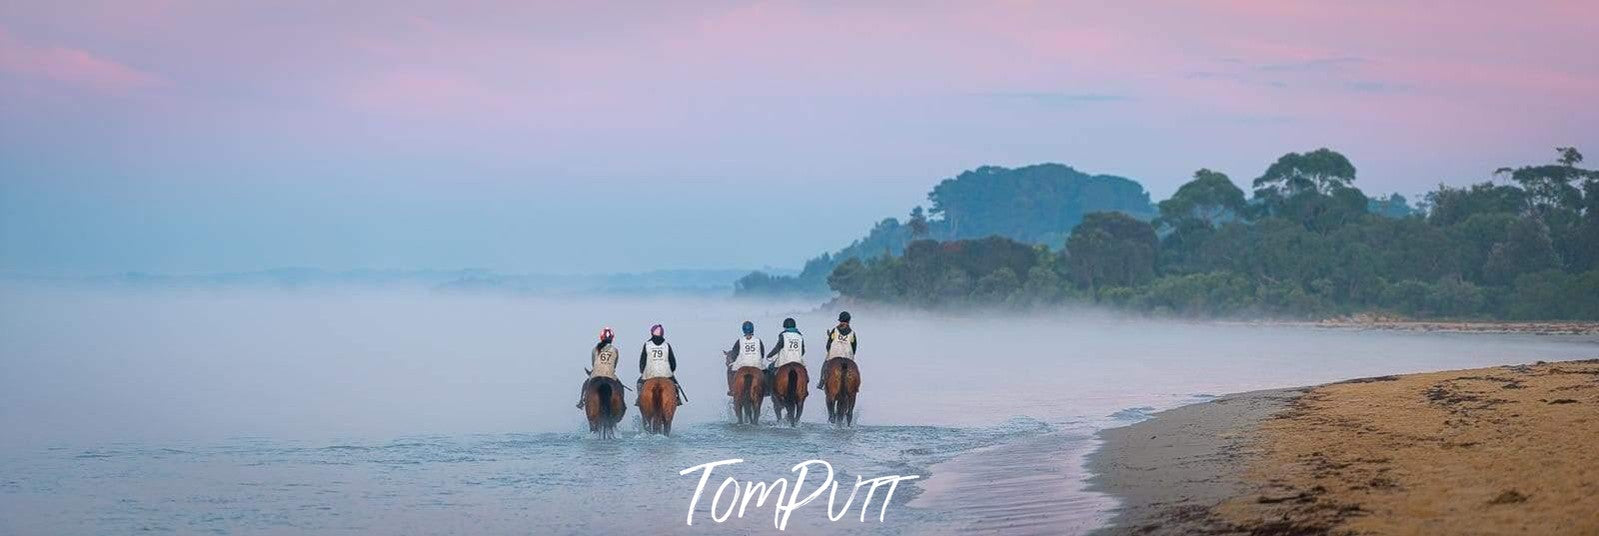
793	349
749	354
840	345
604	362
656	364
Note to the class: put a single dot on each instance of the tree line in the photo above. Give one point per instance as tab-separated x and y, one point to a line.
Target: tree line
1306	243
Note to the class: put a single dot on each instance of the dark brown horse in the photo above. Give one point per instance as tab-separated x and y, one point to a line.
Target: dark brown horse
657	403
789	392
602	401
843	382
749	388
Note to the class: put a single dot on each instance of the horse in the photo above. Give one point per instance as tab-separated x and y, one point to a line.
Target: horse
602	401
749	387
843	382
789	392
657	402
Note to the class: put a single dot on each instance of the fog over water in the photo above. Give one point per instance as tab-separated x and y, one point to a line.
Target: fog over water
333	410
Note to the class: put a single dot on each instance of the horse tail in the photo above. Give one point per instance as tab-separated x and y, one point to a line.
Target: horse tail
662	390
752	386
793	381
603	389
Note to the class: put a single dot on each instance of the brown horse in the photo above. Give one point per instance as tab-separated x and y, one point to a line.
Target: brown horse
843	382
749	387
789	392
657	402
602	401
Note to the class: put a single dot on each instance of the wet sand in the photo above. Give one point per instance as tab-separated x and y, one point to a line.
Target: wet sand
1501	450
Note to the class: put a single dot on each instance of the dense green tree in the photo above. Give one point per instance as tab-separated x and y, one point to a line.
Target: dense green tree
1210	198
1448	206
1112	249
997	286
1314	189
1322	170
1393	206
1527	248
918	224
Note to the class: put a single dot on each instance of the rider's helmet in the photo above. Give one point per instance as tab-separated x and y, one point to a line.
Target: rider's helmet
657	331
606	335
843	316
749	328
788	323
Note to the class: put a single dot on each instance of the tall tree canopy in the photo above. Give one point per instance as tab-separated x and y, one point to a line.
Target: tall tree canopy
1210	199
1322	170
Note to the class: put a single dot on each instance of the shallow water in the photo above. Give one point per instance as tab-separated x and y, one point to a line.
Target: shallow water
401	411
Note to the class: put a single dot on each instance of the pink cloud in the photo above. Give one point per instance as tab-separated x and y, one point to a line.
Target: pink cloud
72	67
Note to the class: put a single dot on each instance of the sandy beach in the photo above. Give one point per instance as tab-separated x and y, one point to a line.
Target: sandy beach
1501	450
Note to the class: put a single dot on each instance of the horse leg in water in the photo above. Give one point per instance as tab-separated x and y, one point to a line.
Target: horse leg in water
649	407
752	397
849	408
749	398
832	392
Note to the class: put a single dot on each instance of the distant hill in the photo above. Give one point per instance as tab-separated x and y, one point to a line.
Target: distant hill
1038	204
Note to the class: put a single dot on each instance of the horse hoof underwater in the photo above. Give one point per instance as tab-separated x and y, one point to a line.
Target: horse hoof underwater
843	382
789	390
657	401
748	390
602	402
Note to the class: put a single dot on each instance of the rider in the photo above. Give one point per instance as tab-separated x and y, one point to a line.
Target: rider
790	349
602	360
840	344
656	360
748	351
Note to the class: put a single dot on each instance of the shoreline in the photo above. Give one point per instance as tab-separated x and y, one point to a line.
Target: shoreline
1425	326
1168	470
1495	450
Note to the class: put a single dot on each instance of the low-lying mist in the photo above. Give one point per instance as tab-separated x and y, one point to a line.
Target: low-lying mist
97	365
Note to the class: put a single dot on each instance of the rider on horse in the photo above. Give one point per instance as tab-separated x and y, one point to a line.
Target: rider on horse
656	360
602	361
748	351
840	344
790	349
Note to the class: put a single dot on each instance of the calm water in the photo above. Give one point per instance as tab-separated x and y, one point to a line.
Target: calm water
397	411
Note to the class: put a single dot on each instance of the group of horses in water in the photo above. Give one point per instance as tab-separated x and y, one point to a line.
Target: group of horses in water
789	386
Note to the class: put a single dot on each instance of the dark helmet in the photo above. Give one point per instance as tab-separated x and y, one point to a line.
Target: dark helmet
788	323
749	328
843	316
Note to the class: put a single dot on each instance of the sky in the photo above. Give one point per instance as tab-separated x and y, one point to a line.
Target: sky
194	136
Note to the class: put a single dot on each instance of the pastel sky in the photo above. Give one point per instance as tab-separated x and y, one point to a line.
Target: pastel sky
184	136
